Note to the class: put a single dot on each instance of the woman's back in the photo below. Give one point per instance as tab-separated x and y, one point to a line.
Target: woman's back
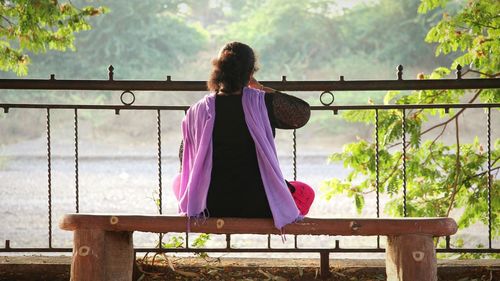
231	167
236	187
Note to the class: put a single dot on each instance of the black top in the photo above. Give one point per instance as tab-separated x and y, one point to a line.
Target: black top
236	188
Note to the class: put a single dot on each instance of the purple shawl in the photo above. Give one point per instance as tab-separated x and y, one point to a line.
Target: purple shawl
197	128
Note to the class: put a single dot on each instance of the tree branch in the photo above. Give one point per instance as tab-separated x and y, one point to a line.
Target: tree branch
457	170
432	144
483	73
7	20
483	173
454	116
394	169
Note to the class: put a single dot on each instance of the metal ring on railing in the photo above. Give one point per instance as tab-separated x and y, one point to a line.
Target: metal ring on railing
123	101
326	103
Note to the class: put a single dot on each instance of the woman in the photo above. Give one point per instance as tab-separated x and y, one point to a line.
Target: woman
229	162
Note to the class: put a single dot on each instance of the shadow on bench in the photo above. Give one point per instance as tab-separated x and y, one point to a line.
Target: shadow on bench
103	247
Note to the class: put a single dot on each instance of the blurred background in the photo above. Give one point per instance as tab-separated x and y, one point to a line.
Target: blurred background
150	39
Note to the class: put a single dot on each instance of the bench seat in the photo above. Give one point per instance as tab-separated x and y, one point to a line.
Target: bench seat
103	247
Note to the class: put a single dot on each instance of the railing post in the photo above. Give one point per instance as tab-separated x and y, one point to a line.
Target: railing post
324	264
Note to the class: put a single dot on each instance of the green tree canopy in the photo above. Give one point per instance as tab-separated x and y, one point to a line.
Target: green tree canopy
440	176
36	26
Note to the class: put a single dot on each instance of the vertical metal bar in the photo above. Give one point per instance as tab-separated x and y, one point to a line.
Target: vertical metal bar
269	241
377	171
294	154
295	241
77	191
49	178
324	264
488	120
405	213
160	187
228	241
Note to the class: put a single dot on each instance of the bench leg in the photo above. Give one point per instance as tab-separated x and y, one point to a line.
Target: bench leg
411	257
102	255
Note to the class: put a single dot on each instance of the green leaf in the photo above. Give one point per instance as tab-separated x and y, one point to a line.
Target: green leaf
359	201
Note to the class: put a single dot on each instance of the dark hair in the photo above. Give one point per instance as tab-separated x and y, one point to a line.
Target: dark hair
232	69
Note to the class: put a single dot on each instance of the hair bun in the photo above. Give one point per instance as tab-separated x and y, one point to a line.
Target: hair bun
233	68
227	53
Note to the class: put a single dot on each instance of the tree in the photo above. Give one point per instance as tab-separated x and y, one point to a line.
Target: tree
36	26
391	32
441	177
144	40
290	36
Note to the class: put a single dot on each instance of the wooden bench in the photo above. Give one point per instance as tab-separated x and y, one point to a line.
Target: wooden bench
103	247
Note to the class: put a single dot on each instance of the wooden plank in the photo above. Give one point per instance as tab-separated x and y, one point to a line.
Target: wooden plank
312	226
410	258
100	255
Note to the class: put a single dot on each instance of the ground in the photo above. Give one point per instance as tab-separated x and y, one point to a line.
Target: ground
57	268
168	268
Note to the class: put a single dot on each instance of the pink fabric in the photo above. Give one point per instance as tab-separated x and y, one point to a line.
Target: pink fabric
176	186
303	195
197	128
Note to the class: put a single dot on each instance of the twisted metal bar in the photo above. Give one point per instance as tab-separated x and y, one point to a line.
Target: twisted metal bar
377	170
405	213
160	187
77	191
488	121
49	178
294	150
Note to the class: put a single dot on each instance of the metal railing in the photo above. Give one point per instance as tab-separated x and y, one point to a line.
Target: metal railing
326	87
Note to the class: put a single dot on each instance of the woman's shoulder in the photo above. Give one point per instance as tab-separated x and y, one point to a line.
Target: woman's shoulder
203	102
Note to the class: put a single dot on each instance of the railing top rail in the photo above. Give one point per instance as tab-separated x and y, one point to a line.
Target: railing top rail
284	85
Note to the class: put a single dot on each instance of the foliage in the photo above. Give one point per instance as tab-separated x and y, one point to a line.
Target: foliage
475	33
36	26
391	44
277	29
178	241
174	242
441	175
138	46
296	38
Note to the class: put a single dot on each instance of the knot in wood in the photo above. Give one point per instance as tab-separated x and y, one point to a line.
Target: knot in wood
113	220
418	255
83	251
220	223
354	225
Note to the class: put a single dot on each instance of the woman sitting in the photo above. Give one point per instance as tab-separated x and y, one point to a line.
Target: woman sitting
229	163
